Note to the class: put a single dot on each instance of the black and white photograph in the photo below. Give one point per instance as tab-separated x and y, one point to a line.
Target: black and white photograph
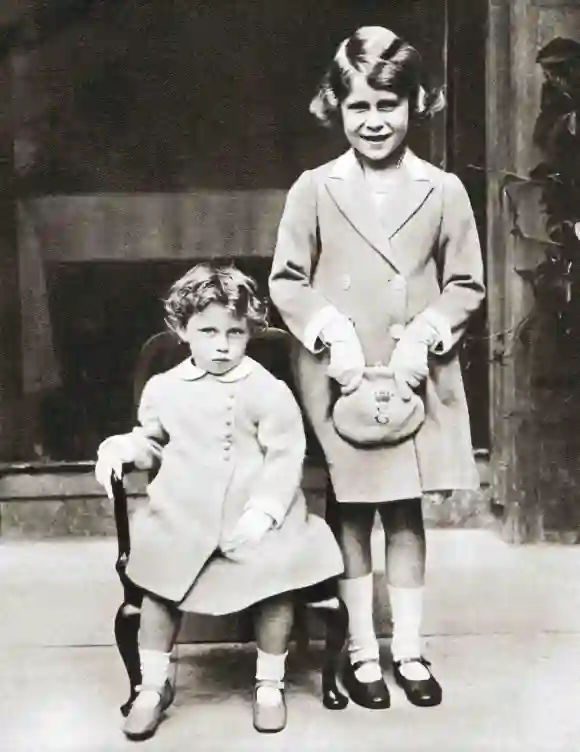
290	375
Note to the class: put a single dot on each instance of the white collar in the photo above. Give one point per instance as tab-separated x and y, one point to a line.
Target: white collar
188	371
347	163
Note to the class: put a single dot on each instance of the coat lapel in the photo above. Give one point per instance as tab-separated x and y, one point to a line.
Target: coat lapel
348	189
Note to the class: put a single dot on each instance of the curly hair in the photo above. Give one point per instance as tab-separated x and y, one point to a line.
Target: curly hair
387	62
207	283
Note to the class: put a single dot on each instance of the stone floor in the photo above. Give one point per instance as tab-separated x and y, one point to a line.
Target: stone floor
502	628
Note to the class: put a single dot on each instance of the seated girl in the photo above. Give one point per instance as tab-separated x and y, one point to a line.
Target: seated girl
226	524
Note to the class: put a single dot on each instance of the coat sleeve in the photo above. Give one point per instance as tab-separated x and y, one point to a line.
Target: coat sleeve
281	437
460	264
304	310
144	444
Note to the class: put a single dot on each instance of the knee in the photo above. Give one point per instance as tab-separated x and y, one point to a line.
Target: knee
160	607
403	519
355	520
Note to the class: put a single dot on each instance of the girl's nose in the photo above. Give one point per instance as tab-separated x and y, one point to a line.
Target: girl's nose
222	344
374	120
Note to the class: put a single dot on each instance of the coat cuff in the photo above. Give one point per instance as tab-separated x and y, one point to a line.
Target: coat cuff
442	340
313	333
272	508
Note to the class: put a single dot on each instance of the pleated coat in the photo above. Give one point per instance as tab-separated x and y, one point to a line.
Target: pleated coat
381	268
223	444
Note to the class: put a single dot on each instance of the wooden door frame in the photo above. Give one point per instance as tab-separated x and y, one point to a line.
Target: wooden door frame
465	155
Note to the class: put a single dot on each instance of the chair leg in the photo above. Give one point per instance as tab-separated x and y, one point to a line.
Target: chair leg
321	599
335	617
300	628
127	623
336	620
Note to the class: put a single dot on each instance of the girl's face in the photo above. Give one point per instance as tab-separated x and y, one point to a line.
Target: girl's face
217	339
375	121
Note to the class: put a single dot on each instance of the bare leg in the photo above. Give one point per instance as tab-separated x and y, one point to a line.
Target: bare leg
160	622
405	542
405	567
356	587
273	619
353	532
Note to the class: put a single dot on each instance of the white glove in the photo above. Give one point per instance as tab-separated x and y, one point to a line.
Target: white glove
347	360
409	362
112	455
249	530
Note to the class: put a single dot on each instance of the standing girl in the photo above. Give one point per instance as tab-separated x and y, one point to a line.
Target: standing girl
378	262
225	526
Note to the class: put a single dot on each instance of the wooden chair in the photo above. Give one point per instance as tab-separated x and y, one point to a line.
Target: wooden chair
159	353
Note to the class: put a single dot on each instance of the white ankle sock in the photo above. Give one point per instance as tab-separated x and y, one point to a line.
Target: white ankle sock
270	667
407	613
357	594
154	669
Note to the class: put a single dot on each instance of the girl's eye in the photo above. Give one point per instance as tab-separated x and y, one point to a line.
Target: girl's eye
208	330
357	106
387	105
237	332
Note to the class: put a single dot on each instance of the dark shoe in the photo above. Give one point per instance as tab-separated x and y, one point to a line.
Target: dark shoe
332	697
142	723
373	695
269	719
424	693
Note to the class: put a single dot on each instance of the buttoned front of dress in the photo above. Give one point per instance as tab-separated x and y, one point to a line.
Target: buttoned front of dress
229	442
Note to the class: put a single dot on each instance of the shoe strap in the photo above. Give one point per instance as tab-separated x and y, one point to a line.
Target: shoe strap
357	664
269	683
419	659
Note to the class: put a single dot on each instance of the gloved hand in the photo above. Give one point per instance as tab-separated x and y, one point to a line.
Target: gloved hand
347	360
248	532
112	455
409	361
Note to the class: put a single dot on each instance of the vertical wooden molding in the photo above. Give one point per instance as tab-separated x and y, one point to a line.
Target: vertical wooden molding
10	375
498	157
505	288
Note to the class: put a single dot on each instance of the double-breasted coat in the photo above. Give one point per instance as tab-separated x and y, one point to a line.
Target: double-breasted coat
225	443
381	268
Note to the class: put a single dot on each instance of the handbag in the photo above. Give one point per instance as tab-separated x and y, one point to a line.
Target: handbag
376	413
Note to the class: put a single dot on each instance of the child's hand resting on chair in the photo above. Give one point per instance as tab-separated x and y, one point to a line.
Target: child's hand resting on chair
112	455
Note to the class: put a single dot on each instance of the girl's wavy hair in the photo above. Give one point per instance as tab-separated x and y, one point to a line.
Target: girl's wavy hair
225	285
387	62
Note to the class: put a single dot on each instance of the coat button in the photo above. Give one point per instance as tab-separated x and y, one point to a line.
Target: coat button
399	282
396	331
345	282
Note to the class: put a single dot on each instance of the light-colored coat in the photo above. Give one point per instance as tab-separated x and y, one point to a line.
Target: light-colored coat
226	443
381	269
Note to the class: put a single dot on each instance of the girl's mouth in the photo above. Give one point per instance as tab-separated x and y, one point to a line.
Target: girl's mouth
376	139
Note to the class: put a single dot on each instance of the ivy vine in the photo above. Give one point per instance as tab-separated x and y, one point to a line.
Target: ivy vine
556	279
